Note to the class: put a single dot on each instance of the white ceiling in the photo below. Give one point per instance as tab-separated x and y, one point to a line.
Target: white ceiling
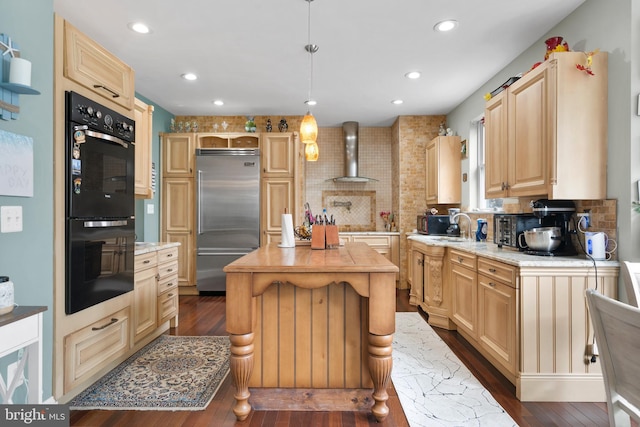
250	53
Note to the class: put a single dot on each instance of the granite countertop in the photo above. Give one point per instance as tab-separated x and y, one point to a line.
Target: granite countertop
509	256
146	247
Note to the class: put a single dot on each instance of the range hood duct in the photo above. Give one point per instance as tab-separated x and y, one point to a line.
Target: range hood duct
350	135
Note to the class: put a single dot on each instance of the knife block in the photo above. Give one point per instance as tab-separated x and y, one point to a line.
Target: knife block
317	236
332	240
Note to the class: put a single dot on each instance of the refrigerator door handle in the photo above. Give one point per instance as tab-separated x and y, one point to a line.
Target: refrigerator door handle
199	225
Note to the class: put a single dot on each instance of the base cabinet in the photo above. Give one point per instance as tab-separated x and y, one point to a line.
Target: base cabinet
464	292
429	285
90	349
144	295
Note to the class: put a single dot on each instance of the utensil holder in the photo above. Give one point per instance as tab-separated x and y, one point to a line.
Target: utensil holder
332	240
318	236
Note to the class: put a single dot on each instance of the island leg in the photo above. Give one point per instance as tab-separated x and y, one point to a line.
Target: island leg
241	369
380	363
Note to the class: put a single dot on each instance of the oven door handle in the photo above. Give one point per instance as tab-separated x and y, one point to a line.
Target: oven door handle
106	137
105	224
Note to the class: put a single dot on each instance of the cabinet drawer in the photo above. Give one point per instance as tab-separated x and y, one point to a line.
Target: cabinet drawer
168	283
144	261
167	306
89	349
168	255
168	269
373	240
462	258
495	270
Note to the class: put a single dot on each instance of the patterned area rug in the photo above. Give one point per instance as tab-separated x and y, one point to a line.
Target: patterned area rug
434	387
171	373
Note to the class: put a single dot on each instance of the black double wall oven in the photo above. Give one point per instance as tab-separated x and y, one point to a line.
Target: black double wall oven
100	212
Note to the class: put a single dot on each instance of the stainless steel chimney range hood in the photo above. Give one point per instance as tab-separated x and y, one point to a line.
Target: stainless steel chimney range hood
350	135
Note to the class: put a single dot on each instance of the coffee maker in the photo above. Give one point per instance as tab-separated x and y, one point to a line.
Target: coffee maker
454	228
555	213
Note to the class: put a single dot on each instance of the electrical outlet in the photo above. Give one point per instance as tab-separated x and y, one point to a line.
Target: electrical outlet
584	220
12	370
10	219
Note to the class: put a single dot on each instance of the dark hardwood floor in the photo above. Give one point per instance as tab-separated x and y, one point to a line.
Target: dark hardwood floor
205	315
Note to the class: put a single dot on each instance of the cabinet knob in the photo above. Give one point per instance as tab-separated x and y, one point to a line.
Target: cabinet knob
493	285
460	260
492	270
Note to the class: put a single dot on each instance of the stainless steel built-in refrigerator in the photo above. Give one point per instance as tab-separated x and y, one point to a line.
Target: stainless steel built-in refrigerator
228	221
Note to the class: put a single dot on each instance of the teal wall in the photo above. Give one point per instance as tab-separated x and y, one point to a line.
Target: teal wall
148	225
612	27
27	256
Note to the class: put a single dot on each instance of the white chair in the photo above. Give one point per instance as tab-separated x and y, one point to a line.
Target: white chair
617	331
631	278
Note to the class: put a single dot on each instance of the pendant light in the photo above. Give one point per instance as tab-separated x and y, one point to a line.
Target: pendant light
309	127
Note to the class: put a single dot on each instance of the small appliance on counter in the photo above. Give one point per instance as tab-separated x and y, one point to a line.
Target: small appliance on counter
6	295
508	227
554	218
454	228
435	225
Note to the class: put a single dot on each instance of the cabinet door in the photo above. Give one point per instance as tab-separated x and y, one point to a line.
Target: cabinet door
416	271
464	296
186	256
528	135
277	155
143	115
277	195
497	322
495	152
178	155
95	68
431	173
177	204
145	303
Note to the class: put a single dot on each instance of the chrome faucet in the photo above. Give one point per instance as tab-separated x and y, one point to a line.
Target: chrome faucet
454	217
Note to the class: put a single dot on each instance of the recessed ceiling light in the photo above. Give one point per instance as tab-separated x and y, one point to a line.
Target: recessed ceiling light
310	101
447	25
413	75
397	101
139	27
189	76
218	102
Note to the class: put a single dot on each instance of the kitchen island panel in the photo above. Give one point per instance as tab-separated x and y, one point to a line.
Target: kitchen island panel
348	343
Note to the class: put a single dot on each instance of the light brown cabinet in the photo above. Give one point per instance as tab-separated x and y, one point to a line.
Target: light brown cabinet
443	175
497	320
228	140
88	350
429	285
144	295
178	203
167	289
278	183
387	245
546	134
90	65
464	291
143	116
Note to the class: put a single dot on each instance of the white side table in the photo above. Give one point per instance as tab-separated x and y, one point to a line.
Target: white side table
22	329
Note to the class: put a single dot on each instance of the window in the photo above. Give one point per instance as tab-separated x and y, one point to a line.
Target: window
477	169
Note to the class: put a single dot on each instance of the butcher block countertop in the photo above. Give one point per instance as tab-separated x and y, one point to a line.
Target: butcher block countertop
352	258
313	326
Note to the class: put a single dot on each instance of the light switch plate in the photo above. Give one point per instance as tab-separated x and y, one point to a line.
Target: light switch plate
10	219
151	209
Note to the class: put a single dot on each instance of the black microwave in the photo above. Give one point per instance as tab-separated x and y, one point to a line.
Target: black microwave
433	224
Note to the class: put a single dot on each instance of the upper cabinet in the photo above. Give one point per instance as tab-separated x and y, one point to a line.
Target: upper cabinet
143	116
546	134
90	65
443	180
178	154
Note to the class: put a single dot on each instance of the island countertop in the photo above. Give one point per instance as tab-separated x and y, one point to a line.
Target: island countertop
352	258
314	325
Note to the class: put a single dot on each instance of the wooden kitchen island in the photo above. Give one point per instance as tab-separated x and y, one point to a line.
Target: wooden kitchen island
311	329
